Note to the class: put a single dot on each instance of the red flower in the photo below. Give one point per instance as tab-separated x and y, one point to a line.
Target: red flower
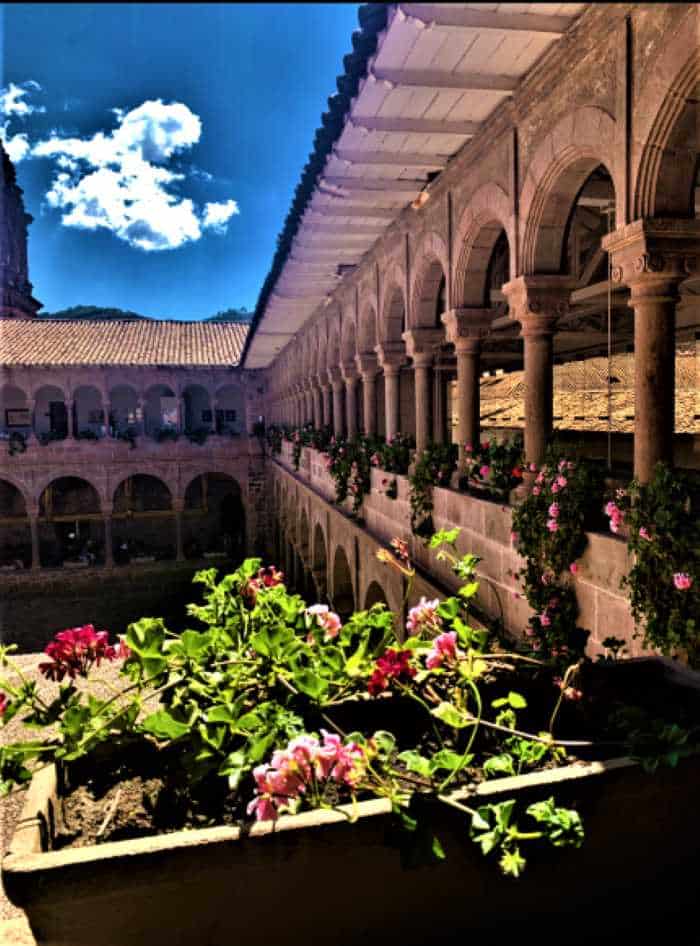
266	578
74	651
4	703
516	473
393	665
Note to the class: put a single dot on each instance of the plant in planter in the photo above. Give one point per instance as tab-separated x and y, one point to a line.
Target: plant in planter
198	436
274	439
394	456
495	466
549	532
664	539
128	434
434	467
166	434
50	436
17	443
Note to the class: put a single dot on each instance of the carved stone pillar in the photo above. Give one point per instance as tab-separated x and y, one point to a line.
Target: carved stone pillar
326	402
338	386
33	514
391	357
652	257
318	406
367	365
70	416
421	345
537	302
465	329
350	377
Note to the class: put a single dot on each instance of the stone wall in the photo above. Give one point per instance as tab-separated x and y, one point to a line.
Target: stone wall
485	531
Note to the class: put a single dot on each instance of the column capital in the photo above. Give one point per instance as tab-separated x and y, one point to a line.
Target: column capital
422	344
367	363
654	251
466	324
537	302
391	356
334	376
349	372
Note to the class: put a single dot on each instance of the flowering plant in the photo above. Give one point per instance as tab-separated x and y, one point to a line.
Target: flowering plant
273	436
549	532
664	540
394	456
495	464
434	467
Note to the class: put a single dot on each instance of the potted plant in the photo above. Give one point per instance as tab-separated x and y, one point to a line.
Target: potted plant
278	749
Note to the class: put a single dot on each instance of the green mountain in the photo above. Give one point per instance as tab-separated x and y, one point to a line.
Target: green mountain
101	314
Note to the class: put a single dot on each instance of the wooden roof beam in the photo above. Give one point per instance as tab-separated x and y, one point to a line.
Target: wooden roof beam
423	126
393	158
388	185
458	16
335	208
433	79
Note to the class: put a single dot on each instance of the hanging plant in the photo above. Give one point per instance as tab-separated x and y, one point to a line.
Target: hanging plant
17	443
394	456
434	467
495	466
664	540
549	533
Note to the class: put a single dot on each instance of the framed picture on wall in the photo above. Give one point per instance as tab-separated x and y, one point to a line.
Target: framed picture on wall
18	417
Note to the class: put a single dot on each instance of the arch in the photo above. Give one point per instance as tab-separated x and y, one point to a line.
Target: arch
155	414
123	403
304	538
392	323
666	178
69	496
367	333
142	492
19	486
50	412
13	501
349	345
215	516
88	411
13	398
342	593
197	408
429	281
319	568
42	484
485	218
230	409
562	163
375	595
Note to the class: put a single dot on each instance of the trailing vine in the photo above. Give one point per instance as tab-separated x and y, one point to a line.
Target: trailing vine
394	456
434	467
495	465
549	533
664	540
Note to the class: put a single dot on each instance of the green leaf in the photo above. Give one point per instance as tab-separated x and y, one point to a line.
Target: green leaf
512	863
452	761
222	714
194	643
469	590
164	726
385	742
415	762
499	765
451	716
310	683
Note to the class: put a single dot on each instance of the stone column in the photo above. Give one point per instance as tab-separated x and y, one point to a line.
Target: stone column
318	407
367	365
537	302
350	376
178	509
327	403
338	386
421	345
109	552
34	533
309	403
31	406
653	257
70	414
391	357
465	329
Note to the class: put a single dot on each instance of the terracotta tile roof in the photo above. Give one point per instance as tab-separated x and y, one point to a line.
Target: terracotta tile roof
82	342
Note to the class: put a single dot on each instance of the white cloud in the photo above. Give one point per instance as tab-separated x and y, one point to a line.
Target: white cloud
217	215
117	180
14	107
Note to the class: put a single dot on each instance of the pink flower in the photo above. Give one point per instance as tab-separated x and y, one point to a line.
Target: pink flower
424	616
553	511
552	525
545	620
516	595
444	648
682	581
562	481
573	568
400	548
533	468
514	537
529	632
326	619
468	448
374	459
536	490
540	477
484	471
393	665
486	444
561	465
555	487
74	651
644	534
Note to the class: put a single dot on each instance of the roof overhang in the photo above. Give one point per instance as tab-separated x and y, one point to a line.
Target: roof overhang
438	71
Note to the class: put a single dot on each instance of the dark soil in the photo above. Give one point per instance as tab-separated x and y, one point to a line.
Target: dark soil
135	789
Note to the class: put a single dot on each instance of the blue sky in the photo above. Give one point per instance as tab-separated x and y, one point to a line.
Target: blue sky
159	145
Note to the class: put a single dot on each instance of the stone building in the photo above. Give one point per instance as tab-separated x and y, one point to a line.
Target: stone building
501	195
496	229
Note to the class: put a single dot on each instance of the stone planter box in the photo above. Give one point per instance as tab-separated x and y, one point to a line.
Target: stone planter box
318	879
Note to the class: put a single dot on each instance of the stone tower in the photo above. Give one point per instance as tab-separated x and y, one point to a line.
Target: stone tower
16	300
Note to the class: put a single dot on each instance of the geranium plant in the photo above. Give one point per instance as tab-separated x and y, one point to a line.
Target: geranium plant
664	540
495	465
434	467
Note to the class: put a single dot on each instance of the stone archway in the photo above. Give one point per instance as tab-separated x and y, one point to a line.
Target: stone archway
214	521
319	569
143	517
16	543
343	595
71	530
375	595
